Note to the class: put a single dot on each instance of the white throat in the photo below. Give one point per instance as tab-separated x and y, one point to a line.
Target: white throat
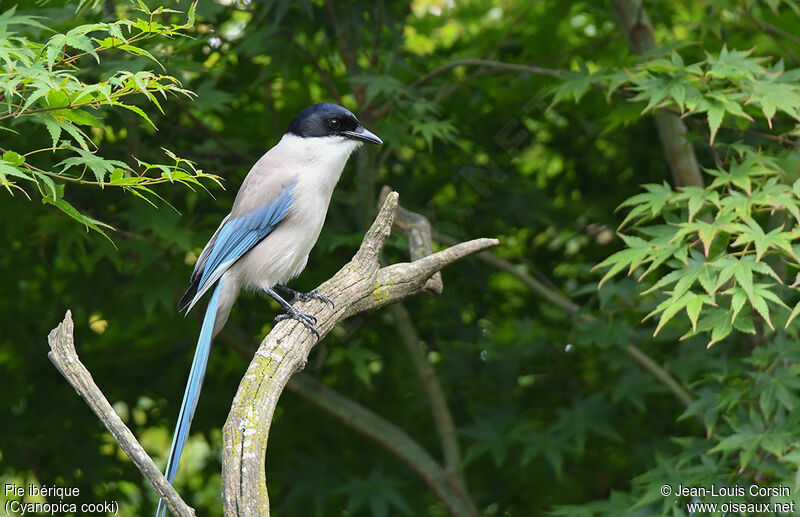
318	160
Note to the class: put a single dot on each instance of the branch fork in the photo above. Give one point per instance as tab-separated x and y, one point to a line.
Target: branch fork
361	285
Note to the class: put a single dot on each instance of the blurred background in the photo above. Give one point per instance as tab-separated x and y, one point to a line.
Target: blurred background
549	414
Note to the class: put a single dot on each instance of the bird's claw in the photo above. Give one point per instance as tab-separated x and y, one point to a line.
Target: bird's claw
313	295
306	319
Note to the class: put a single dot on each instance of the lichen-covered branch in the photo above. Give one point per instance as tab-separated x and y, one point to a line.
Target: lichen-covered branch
63	355
361	285
371	425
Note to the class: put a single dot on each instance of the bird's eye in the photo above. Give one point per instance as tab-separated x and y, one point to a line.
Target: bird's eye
334	124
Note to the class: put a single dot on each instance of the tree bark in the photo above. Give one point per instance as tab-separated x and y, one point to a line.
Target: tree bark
361	285
65	358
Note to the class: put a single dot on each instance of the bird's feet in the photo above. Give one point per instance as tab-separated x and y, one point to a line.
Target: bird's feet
306	319
305	297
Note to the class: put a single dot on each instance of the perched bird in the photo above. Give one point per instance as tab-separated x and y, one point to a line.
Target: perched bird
265	240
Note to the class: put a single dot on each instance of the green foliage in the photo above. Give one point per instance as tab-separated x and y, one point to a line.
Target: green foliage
724	256
750	211
376	492
45	84
718	243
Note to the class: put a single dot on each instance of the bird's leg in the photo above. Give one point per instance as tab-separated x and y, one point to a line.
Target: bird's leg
305	297
291	313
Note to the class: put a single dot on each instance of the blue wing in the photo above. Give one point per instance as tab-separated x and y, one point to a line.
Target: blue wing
235	238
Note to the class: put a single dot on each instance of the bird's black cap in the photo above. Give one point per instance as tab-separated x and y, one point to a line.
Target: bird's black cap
328	119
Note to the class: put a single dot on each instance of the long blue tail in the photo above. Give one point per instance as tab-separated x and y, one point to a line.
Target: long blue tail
192	392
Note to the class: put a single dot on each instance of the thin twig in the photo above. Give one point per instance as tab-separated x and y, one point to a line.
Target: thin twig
386	434
417	230
773	32
514	67
349	56
449	89
551	295
323	74
487	63
573	309
426	375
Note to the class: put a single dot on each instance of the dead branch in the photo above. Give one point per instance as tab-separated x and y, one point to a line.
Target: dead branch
361	285
63	355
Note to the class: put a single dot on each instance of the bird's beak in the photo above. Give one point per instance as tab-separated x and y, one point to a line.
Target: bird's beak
364	135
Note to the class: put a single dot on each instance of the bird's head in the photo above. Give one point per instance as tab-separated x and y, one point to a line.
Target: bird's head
330	120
